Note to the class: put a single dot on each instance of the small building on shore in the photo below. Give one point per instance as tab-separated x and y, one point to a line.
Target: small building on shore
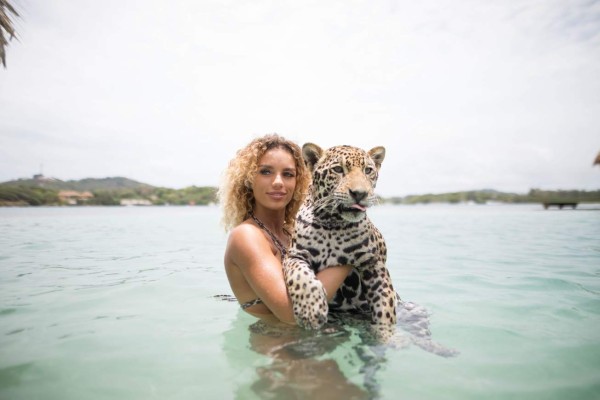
73	197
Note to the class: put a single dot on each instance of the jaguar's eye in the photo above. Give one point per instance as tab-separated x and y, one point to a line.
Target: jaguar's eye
338	169
368	170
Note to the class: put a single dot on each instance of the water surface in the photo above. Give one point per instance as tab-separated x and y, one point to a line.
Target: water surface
102	302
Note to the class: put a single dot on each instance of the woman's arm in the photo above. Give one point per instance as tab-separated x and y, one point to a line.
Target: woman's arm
332	278
251	252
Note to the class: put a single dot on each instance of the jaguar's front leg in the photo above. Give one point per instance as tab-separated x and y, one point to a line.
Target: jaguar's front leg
309	301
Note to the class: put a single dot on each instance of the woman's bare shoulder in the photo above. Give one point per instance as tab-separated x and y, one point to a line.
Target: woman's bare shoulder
247	239
244	231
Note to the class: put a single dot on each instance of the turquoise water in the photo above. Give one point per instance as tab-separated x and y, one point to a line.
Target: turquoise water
118	303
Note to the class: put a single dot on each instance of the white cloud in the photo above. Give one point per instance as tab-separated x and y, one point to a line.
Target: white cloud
464	95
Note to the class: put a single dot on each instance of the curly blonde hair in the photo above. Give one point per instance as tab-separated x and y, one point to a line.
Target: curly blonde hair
235	193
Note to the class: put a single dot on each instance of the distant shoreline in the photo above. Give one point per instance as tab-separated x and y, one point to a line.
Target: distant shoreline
584	206
120	191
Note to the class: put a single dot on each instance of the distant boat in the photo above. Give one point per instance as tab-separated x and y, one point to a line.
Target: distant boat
597	160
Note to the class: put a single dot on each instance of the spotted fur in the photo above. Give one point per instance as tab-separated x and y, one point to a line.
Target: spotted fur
332	228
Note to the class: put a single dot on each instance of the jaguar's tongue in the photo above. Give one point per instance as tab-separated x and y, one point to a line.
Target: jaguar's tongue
358	207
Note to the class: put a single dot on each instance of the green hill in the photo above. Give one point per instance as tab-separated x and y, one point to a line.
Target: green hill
89	184
105	191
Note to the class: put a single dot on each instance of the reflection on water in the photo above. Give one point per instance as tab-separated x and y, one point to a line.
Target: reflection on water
338	361
302	366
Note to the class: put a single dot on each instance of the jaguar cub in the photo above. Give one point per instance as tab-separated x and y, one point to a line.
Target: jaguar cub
332	228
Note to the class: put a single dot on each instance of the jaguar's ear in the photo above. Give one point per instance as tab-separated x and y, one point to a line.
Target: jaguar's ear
311	154
377	154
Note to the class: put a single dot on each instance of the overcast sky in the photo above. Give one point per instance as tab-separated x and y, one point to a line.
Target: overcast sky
463	94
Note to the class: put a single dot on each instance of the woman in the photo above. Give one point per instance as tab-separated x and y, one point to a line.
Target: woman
263	189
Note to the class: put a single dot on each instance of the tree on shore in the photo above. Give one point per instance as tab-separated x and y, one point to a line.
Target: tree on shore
7	30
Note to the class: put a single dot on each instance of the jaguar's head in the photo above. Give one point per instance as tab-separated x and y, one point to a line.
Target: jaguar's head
343	179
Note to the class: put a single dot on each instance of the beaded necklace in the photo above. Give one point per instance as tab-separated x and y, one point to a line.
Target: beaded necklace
276	241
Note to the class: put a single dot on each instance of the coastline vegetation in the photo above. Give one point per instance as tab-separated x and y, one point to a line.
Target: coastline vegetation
491	196
42	191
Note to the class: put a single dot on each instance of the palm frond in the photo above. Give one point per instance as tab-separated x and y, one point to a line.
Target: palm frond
7	13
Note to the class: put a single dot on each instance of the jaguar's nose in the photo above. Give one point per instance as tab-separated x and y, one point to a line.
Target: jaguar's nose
357	195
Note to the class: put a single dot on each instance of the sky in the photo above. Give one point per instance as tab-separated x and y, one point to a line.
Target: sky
463	94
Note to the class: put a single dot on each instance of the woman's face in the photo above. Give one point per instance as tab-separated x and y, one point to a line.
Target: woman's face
275	179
